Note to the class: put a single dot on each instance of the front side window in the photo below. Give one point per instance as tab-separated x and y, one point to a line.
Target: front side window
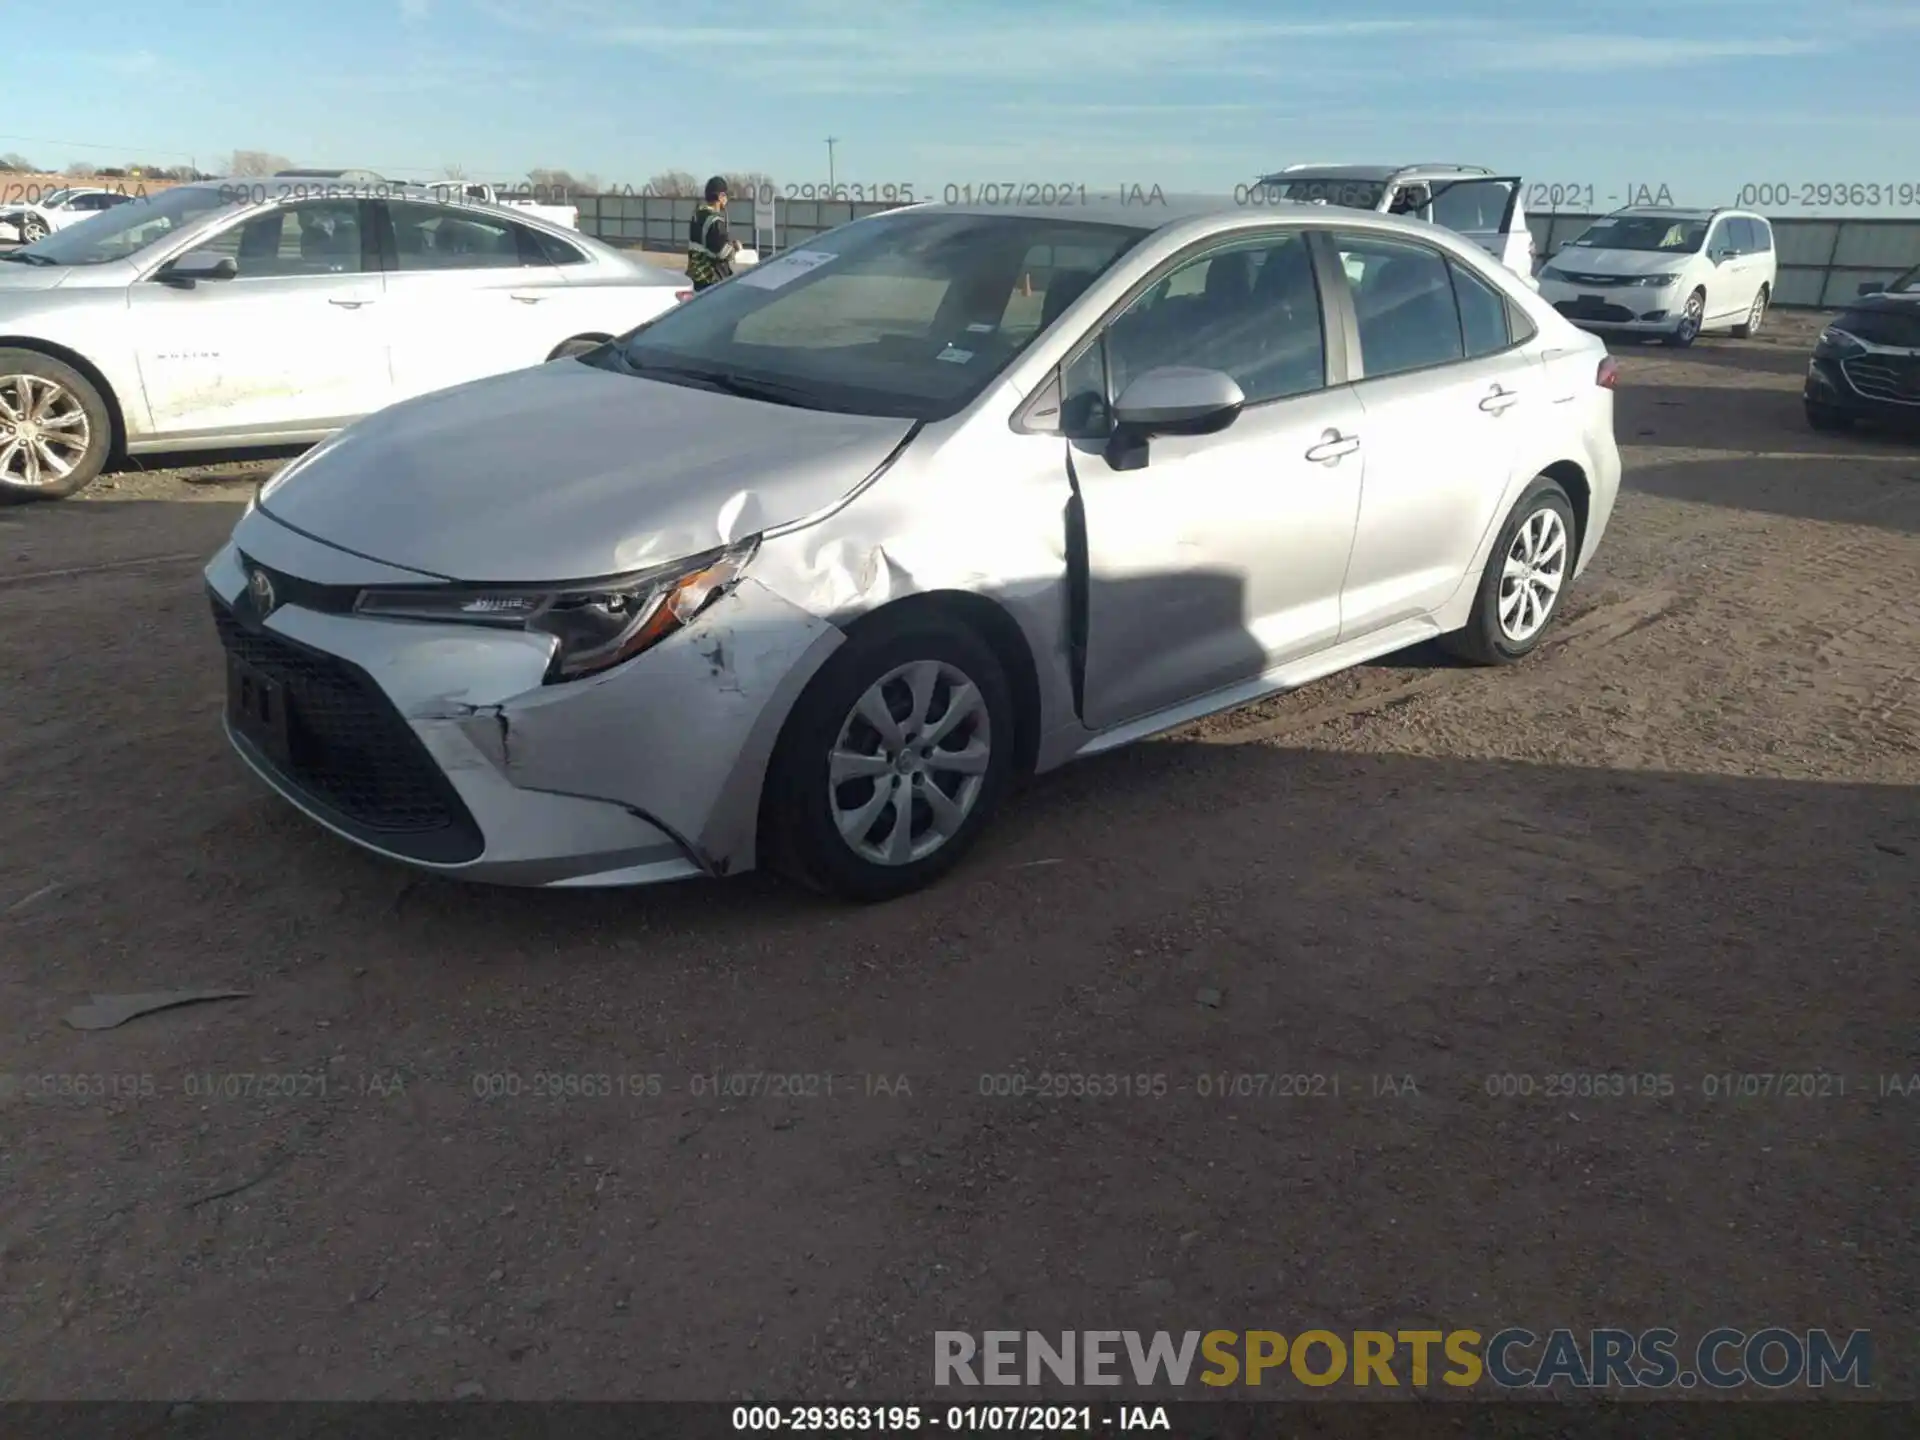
316	237
1250	309
1740	236
905	313
1404	300
1472	205
445	237
1661	233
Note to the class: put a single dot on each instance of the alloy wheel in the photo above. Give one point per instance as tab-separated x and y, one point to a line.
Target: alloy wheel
909	763
1690	318
1758	313
1535	569
44	431
33	228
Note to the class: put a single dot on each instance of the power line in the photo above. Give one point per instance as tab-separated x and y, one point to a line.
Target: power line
87	145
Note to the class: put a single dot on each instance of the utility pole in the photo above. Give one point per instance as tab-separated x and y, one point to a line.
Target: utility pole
832	140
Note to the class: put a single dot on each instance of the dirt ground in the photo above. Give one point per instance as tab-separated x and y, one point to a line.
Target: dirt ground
1682	841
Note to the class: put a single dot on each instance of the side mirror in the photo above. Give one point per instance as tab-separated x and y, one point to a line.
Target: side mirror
1873	287
197	265
1179	400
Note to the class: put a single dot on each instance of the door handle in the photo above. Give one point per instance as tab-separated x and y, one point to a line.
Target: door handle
529	299
1499	400
1332	446
349	304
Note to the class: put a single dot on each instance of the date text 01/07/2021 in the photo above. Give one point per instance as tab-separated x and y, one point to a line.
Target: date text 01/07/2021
951	1419
972	192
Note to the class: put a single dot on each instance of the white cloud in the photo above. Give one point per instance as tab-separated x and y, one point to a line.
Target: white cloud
1562	54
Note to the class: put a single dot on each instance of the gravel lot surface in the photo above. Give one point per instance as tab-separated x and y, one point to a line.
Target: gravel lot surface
1683	841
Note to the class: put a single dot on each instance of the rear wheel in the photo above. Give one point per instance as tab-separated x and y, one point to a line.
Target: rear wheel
1692	315
55	429
1525	576
892	761
1750	327
1826	418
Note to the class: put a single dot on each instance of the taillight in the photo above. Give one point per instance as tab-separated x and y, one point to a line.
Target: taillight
683	295
1609	375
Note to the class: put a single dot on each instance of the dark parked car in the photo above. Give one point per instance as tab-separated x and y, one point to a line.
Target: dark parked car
1866	363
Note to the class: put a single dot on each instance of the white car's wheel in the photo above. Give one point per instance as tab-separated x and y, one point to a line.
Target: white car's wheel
1693	315
55	429
1751	326
32	228
1526	574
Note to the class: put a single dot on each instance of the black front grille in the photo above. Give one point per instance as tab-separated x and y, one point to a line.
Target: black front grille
1599	282
350	753
1592	310
1885	377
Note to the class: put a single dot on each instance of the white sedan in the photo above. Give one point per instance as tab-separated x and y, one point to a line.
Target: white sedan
33	220
249	312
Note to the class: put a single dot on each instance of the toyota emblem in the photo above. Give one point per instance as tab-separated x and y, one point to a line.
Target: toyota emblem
260	592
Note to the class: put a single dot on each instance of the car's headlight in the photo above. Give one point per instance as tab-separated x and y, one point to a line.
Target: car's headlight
1836	344
598	624
1658	282
1547	272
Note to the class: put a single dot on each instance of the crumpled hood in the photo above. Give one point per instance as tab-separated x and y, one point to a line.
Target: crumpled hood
1582	261
568	472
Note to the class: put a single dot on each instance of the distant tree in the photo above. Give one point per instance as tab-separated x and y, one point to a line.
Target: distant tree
674	182
754	183
257	162
453	170
79	170
14	163
110	172
563	182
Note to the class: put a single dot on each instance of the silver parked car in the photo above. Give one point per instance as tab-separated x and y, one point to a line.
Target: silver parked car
805	571
254	312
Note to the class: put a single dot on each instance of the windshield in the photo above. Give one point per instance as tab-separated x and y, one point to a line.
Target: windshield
54	197
122	230
1663	233
1327	190
909	314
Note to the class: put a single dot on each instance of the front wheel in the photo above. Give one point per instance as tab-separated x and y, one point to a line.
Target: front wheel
1520	589
1692	315
55	430
33	228
892	760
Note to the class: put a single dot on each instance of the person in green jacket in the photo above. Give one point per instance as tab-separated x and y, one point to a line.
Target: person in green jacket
710	249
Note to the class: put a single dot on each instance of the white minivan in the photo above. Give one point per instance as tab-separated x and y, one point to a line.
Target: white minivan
1670	273
1469	200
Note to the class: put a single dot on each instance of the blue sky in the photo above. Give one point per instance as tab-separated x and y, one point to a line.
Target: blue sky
1700	95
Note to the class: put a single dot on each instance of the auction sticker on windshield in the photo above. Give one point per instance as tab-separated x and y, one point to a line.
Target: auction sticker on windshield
786	268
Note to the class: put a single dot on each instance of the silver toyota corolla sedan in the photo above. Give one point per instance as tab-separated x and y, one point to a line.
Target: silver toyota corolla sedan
254	312
806	571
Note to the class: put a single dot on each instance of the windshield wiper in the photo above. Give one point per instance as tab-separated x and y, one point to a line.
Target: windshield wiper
769	390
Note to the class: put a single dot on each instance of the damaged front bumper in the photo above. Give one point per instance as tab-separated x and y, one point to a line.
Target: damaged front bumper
649	772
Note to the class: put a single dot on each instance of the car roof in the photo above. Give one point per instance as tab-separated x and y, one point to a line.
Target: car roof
1370	172
1165	213
1685	212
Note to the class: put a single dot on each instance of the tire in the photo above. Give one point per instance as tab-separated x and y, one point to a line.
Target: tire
802	809
1750	327
1541	513
1692	316
32	228
1828	420
579	345
50	415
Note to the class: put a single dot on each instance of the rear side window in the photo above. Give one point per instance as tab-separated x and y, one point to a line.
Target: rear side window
1483	313
552	249
1762	236
1403	297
